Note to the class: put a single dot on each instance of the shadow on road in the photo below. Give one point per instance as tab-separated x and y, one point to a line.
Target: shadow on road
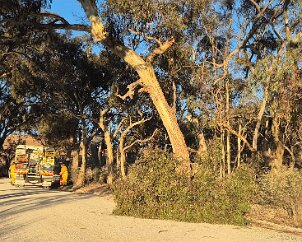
16	201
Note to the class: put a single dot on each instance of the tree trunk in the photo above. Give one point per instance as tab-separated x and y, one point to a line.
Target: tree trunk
109	158
292	162
202	144
118	161
109	149
148	80
122	152
74	165
279	152
277	161
81	176
168	117
123	162
239	147
94	154
228	135
259	120
228	151
100	157
83	148
222	163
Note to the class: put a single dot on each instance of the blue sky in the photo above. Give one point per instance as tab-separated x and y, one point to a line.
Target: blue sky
71	10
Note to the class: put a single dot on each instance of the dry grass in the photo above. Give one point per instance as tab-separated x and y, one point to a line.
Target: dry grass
260	214
100	189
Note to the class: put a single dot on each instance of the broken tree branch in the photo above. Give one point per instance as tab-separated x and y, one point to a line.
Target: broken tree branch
131	89
140	141
161	49
146	36
232	131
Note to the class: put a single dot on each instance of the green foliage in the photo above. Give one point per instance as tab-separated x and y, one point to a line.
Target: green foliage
57	129
153	189
282	188
212	158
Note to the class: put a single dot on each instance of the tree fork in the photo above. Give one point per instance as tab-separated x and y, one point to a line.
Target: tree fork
148	78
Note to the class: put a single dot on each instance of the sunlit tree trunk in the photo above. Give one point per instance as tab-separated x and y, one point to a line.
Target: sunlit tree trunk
74	165
259	119
110	157
228	135
122	161
222	162
148	80
239	146
100	154
109	148
83	147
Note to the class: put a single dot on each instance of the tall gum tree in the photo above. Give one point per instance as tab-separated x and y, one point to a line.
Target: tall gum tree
148	81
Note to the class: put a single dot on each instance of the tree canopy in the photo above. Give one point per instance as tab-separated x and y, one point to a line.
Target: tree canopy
202	72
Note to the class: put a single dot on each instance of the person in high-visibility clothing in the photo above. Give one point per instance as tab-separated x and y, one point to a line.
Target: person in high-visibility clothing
12	173
64	175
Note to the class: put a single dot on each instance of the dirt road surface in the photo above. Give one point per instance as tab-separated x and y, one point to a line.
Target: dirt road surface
33	214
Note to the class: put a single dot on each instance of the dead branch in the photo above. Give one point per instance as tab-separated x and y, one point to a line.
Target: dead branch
146	36
161	49
140	141
292	155
232	131
297	38
51	15
135	124
131	89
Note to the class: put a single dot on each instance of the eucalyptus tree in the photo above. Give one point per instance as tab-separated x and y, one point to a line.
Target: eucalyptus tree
188	56
15	40
70	85
15	115
252	33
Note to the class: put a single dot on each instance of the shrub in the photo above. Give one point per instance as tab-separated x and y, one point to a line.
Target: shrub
282	188
153	189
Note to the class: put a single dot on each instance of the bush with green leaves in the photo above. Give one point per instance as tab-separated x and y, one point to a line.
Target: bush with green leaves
154	189
282	188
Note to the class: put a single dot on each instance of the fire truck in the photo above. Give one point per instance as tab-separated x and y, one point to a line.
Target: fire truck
35	165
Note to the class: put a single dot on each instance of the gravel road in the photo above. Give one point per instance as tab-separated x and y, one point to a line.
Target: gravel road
33	214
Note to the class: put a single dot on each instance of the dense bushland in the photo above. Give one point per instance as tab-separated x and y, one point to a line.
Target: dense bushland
282	189
154	190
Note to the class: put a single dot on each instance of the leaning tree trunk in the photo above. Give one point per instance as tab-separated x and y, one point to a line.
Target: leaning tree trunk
166	113
147	79
259	119
261	111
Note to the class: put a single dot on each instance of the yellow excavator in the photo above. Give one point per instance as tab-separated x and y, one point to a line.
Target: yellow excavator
35	165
